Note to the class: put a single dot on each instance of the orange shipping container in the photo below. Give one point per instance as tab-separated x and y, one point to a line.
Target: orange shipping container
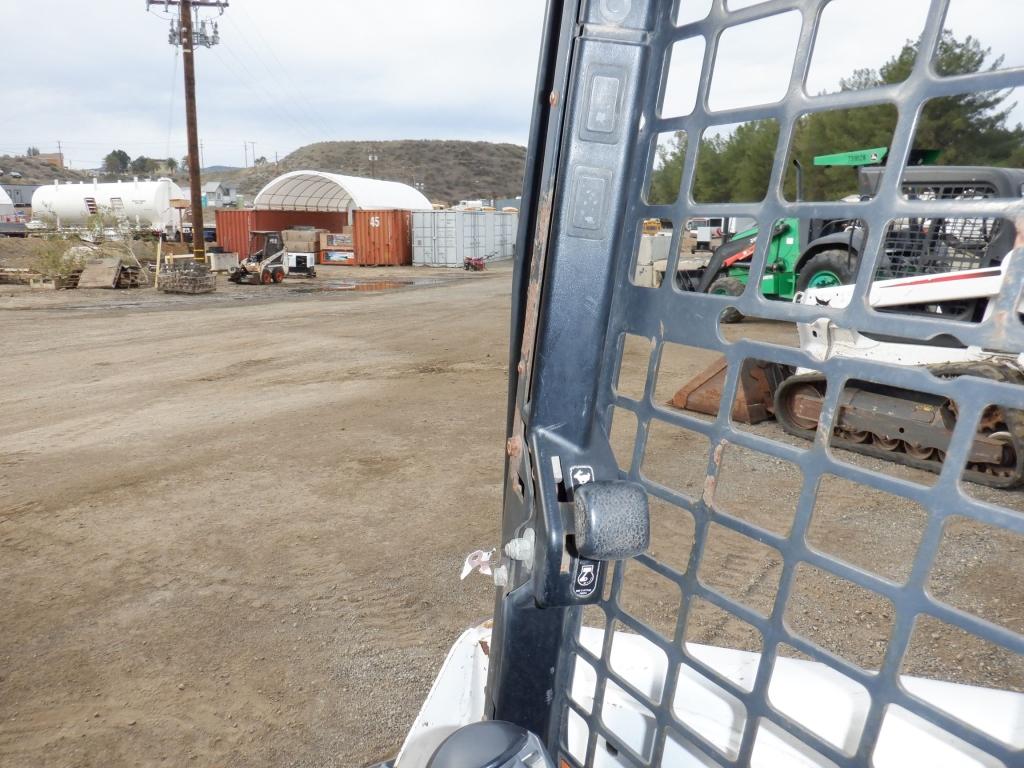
382	238
234	225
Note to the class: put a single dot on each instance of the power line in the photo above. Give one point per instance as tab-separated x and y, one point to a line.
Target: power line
289	85
282	101
248	81
290	90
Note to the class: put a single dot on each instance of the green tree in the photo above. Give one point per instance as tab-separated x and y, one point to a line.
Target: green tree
969	128
669	171
749	157
116	162
171	164
32	152
143	165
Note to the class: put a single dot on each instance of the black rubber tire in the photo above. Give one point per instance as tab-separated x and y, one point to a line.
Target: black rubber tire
728	286
840	262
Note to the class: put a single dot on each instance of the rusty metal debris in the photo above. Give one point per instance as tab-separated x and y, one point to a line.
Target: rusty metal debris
189	277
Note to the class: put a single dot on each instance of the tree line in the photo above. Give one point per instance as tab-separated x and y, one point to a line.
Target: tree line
118	162
969	129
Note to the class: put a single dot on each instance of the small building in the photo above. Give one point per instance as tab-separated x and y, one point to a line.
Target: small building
6	206
20	194
217	194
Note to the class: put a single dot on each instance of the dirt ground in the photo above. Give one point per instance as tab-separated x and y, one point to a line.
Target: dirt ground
231	525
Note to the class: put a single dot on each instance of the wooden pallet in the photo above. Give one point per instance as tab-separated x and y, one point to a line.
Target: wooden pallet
12	276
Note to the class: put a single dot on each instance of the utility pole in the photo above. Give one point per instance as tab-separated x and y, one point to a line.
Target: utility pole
188	49
184	34
245	148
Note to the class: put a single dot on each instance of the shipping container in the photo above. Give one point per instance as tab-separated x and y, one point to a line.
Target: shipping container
382	238
508	226
448	238
234	225
490	235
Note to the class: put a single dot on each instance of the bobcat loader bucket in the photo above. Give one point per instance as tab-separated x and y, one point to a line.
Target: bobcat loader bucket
755	391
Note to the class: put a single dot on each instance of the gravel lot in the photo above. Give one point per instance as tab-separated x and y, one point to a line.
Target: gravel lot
231	526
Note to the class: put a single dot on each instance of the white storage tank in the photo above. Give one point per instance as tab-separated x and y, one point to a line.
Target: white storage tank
447	238
143	204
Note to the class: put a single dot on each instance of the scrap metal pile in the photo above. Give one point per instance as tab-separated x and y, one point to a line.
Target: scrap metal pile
187	277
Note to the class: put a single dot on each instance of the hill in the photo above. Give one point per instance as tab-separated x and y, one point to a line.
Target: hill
449	170
34	170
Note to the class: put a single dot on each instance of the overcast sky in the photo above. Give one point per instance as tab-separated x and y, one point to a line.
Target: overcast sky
101	75
98	75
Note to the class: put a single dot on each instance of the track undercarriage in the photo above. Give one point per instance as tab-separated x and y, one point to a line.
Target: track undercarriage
898	425
909	427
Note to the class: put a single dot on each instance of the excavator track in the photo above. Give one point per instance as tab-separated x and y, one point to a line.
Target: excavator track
911	428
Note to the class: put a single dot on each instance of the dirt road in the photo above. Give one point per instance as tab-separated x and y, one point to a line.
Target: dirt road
231	534
231	526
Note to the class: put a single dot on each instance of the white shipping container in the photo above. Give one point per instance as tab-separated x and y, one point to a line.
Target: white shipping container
490	234
448	238
508	227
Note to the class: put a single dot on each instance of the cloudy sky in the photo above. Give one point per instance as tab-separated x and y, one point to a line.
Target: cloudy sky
100	75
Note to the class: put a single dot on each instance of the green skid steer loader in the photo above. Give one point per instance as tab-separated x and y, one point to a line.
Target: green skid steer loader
821	253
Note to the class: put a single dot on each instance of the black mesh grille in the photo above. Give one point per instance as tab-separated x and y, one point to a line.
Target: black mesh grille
772	553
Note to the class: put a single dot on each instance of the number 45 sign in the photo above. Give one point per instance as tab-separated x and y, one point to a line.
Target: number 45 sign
375	221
